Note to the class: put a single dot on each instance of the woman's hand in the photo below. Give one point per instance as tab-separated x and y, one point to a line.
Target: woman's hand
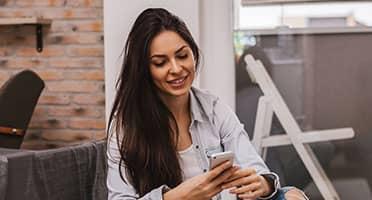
204	186
247	184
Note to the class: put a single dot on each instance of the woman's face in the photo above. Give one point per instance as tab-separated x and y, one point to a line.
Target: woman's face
172	64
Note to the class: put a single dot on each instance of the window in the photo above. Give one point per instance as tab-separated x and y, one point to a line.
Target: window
318	55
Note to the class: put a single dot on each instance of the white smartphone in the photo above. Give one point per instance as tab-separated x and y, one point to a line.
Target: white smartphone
218	158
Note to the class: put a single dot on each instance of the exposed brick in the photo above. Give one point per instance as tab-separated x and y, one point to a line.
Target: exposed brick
40	112
81	38
6	2
98	99
17	12
63	26
3	76
76	62
85	51
54	99
5	51
87	123
47	75
47	51
71	13
18	62
80	3
85	75
29	3
73	86
94	26
100	135
70	111
51	123
15	38
70	135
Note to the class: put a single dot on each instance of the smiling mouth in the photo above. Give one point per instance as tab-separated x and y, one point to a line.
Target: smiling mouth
177	82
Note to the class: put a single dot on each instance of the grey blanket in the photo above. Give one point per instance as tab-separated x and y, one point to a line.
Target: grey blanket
77	172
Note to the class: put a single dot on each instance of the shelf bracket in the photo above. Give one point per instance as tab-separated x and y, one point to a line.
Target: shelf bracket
39	37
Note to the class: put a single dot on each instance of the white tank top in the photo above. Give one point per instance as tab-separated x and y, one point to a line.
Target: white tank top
190	168
189	163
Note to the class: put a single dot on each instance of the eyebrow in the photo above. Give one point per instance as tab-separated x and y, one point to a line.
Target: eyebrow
178	50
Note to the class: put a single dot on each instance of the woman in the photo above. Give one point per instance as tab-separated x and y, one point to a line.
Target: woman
162	130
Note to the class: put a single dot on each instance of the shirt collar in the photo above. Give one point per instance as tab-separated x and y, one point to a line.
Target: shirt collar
201	104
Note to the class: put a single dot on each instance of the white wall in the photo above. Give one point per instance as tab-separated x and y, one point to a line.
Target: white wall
210	22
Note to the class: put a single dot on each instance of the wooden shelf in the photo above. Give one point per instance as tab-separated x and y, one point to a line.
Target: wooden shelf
38	22
25	21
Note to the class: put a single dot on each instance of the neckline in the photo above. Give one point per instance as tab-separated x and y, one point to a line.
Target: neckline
185	150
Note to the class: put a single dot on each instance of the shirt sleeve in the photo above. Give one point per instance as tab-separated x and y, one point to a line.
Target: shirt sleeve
234	138
117	188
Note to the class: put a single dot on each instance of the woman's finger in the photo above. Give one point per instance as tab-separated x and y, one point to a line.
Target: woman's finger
242	173
223	177
246	188
214	187
212	174
215	191
241	181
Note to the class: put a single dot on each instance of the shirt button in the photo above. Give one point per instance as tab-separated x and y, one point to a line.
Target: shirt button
197	146
204	170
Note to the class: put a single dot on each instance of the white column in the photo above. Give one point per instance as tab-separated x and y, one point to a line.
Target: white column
216	43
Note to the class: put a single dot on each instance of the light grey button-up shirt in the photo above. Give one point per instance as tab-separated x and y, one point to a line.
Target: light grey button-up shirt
214	128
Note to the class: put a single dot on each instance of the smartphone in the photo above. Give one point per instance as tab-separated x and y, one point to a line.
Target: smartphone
219	158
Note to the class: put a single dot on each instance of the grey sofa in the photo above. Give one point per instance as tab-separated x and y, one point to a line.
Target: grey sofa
77	172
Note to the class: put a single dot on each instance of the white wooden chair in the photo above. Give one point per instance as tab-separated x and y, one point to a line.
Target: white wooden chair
271	102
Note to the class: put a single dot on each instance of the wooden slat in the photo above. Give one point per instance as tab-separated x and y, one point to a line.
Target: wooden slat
309	137
24	21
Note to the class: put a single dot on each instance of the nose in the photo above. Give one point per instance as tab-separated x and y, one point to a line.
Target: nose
175	67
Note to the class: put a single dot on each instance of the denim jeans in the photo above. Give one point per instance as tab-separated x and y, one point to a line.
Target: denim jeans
281	193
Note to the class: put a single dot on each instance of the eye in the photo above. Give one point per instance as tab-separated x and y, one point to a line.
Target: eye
158	63
182	56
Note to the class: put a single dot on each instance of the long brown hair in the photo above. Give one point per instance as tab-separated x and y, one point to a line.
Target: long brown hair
142	121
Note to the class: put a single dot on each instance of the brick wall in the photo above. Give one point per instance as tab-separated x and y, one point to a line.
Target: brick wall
71	107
